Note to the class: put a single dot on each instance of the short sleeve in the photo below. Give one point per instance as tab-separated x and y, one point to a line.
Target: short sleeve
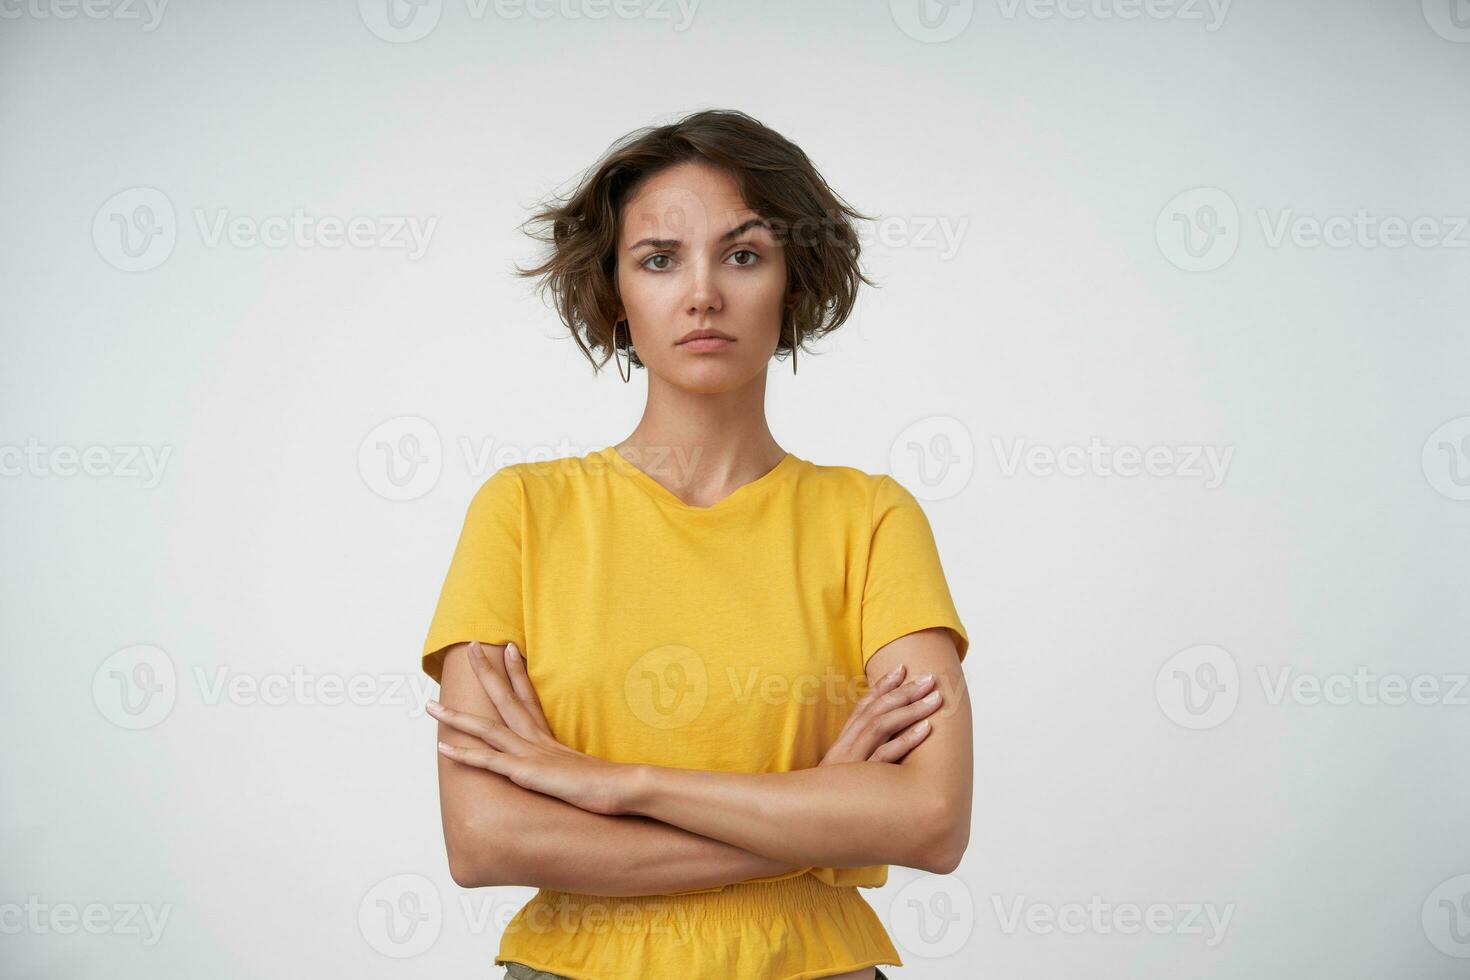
481	597
905	589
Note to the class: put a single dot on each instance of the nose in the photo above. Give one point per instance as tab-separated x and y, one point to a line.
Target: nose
704	289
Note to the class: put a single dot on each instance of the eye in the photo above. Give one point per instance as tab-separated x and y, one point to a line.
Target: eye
754	257
655	255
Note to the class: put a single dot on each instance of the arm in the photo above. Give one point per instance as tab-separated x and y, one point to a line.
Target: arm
915	814
498	833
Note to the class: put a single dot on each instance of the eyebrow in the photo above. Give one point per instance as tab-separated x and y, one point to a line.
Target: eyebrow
674	243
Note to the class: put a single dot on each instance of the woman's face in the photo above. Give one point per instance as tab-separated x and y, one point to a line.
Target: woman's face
692	256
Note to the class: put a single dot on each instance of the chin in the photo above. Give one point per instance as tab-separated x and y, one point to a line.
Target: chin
712	377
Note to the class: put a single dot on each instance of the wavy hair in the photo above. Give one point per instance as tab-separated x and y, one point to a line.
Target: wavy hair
776	179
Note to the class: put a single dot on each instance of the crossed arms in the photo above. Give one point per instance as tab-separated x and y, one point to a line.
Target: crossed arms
682	829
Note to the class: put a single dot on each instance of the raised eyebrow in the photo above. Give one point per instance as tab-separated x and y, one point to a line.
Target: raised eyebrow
674	243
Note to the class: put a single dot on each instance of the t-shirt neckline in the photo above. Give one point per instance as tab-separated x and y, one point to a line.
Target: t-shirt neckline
745	492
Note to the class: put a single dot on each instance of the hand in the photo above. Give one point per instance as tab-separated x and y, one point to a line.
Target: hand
519	745
886	709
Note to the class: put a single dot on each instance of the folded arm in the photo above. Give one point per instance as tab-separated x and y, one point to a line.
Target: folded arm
915	814
498	833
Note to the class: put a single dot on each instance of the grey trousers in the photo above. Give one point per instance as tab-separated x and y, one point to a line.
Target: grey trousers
519	971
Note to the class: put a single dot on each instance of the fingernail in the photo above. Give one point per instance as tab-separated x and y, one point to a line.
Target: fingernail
924	678
893	672
512	652
445	747
435	706
932	697
475	652
921	728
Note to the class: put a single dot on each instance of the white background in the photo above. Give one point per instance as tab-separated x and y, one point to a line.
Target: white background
1056	142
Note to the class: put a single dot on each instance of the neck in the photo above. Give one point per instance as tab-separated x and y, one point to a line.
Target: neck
703	444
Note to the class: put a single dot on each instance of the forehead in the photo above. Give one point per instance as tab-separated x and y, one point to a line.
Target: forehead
690	202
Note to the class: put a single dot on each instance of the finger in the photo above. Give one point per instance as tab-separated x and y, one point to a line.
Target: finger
906	694
889	722
499	691
521	688
881	725
884	685
487	759
896	748
487	730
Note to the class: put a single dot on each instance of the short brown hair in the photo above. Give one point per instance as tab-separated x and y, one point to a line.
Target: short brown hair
777	180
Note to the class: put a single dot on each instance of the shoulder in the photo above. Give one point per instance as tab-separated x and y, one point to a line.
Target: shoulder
853	488
545	479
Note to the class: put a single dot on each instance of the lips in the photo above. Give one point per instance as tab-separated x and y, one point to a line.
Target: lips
706	343
706	335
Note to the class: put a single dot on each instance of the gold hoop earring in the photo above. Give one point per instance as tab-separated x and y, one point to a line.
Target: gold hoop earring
795	346
629	376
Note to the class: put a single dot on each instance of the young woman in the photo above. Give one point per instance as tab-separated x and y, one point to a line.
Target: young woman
699	690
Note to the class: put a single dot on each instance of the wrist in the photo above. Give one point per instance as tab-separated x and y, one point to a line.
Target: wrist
637	789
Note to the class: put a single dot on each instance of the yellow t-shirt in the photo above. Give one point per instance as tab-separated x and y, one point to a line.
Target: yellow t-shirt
728	638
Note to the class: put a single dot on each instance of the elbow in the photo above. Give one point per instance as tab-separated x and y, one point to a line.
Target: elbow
945	844
474	861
